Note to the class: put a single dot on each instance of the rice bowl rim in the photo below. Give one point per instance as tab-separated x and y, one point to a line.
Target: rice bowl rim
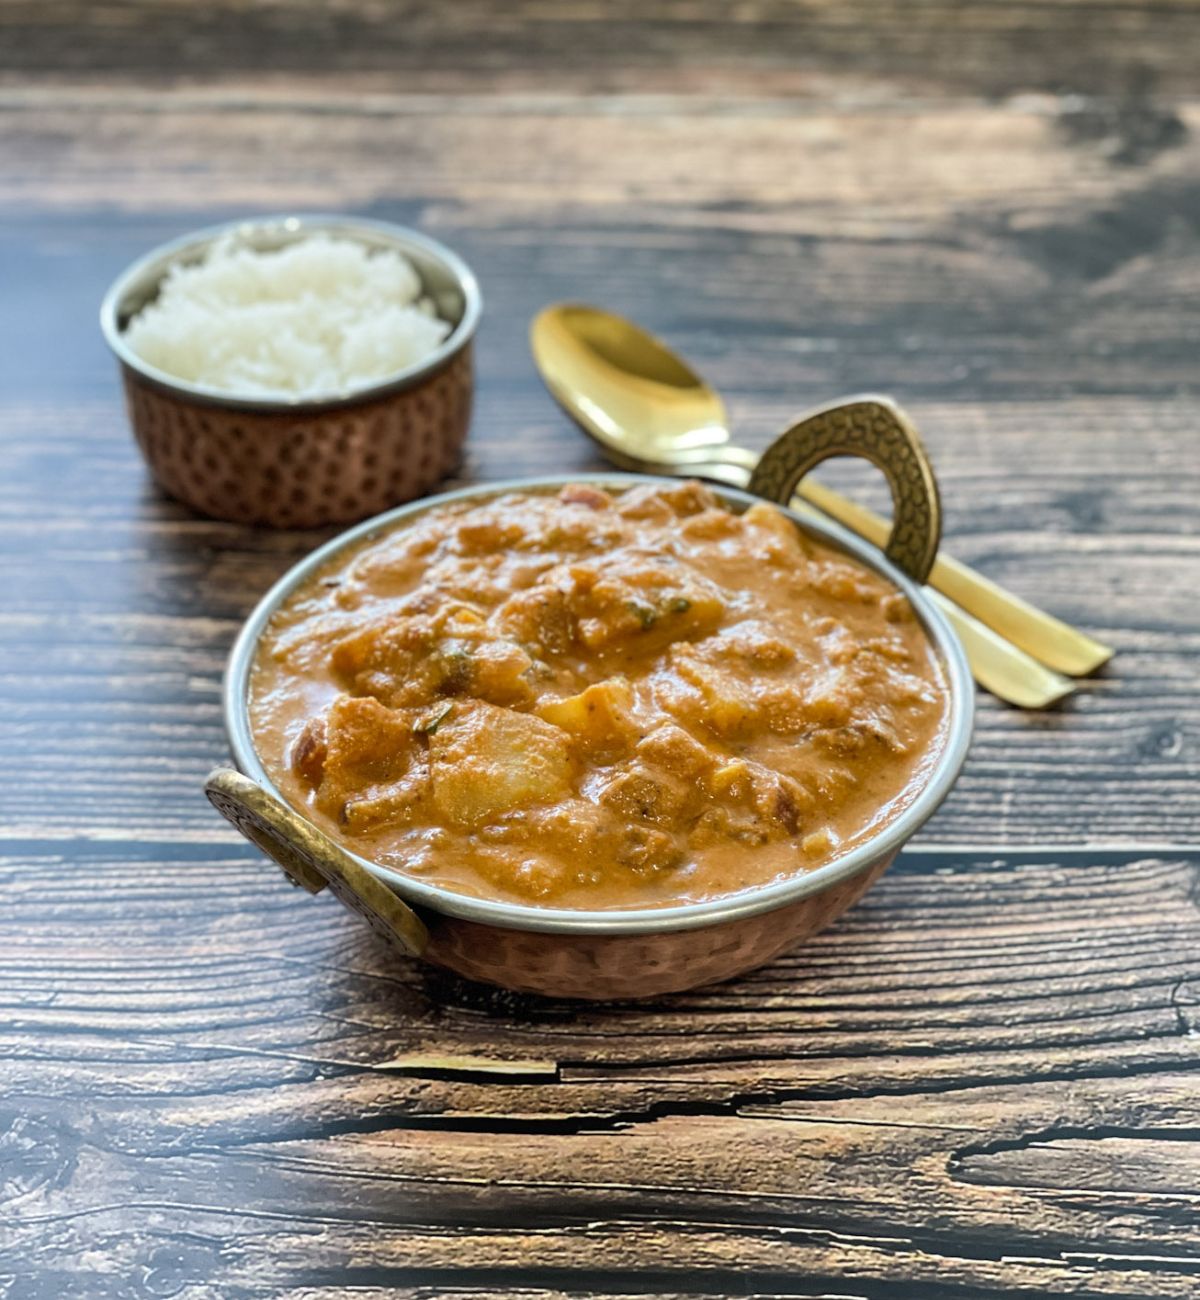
141	279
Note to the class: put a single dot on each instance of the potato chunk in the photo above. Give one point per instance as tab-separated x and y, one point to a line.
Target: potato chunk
677	752
388	660
485	761
599	717
369	749
394	804
726	704
766	516
642	604
411	659
640	792
539	617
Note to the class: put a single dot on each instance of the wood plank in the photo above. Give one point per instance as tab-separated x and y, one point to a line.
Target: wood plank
117	637
1056	956
1039	316
981	1080
760	164
808	47
1039	270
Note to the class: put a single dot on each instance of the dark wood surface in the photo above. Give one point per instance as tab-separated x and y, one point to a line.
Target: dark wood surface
984	1080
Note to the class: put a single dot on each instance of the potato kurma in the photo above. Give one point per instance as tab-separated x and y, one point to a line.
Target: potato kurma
578	699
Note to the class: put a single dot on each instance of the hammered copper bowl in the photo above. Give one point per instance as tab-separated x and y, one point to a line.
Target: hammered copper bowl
584	954
303	463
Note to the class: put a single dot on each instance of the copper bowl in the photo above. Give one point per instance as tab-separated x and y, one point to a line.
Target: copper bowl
302	463
585	954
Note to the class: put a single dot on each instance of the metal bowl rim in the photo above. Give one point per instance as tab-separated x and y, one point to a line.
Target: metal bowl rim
156	261
652	920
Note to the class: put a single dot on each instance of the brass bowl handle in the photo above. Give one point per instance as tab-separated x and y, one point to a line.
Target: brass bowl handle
876	429
309	858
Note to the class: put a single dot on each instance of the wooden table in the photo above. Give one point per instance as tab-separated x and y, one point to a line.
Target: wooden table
984	1081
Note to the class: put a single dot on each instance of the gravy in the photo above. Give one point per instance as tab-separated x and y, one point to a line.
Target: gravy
597	701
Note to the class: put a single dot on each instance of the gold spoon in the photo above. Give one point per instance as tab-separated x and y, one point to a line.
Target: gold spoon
648	410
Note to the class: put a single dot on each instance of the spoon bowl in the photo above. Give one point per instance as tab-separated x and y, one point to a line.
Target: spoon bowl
641	402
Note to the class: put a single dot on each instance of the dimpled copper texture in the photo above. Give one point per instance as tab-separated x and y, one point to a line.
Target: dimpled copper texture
618	966
307	468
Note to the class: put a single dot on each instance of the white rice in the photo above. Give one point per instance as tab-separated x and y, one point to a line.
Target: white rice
318	318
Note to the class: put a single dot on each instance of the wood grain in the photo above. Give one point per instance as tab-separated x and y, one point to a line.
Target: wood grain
982	1081
988	48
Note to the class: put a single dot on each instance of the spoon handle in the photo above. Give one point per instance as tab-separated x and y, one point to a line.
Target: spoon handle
999	667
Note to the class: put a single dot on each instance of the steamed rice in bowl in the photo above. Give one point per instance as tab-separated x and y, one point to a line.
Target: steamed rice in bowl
314	369
320	317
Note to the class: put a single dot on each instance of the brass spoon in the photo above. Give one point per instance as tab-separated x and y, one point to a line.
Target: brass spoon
648	410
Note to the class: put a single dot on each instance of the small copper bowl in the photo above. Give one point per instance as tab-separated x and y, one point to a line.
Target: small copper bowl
302	463
634	952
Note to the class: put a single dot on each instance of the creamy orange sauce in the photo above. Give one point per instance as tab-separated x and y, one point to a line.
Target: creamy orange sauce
595	701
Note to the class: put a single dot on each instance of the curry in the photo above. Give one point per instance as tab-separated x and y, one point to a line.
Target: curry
598	701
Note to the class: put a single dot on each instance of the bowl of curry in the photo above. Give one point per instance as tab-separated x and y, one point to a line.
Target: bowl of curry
605	736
